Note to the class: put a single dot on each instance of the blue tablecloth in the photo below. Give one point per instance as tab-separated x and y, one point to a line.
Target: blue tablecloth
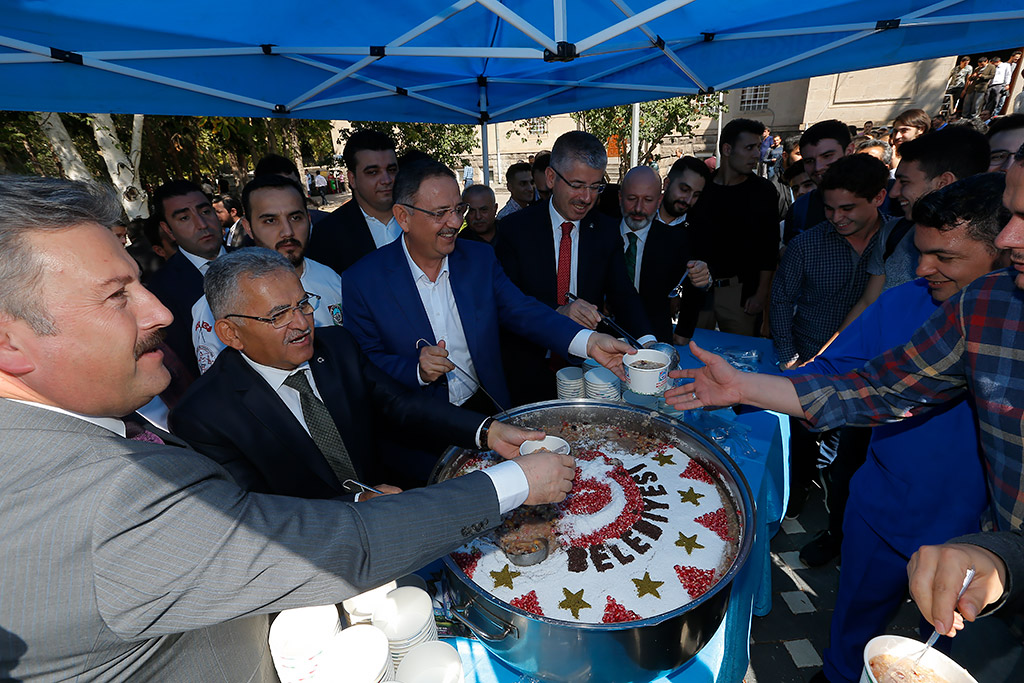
765	465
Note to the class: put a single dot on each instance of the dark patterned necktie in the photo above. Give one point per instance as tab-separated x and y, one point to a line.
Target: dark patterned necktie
631	257
322	428
564	265
136	430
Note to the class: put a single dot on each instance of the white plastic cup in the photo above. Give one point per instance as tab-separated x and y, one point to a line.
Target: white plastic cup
299	639
359	609
433	662
551	443
359	654
647	381
898	646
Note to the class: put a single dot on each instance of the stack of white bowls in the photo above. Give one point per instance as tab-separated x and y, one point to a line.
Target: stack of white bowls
406	616
360	654
590	364
570	383
359	609
602	384
301	641
434	662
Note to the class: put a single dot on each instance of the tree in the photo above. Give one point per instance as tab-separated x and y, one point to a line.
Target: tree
658	119
446	142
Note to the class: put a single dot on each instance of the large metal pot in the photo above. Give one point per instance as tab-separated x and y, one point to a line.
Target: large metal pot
556	650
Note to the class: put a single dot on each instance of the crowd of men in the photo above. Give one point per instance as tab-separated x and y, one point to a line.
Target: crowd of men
203	434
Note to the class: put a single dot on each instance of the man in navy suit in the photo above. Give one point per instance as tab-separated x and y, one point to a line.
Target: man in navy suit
657	256
564	245
427	307
186	216
365	222
245	413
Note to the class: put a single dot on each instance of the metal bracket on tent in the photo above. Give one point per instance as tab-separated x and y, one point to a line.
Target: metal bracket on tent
659	43
280	109
268	48
708	91
566	53
887	24
484	117
399	90
65	56
376	50
708	37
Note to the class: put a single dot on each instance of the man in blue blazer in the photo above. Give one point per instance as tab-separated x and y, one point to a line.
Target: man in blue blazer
427	308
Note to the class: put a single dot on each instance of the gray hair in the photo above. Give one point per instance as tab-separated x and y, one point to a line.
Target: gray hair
478	189
32	205
578	145
886	148
221	283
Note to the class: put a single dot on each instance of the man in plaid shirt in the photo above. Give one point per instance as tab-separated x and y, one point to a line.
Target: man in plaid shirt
973	344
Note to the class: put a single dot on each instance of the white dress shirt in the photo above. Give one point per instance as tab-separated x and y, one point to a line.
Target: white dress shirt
199	262
574	236
1003	73
641	240
382	233
675	221
316	278
443	314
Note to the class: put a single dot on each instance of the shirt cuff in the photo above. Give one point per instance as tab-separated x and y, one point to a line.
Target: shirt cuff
419	378
476	439
510	484
647	339
578	345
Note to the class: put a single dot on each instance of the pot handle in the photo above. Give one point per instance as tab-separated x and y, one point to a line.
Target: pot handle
460	612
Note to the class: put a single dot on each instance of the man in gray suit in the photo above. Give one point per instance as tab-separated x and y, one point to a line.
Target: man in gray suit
137	558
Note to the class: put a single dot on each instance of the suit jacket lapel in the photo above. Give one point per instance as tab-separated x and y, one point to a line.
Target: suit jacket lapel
336	399
462	283
403	288
267	407
546	254
587	277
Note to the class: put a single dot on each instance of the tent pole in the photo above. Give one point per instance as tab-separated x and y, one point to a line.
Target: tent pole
718	139
497	153
483	145
634	139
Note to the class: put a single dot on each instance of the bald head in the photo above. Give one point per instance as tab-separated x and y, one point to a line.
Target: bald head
639	196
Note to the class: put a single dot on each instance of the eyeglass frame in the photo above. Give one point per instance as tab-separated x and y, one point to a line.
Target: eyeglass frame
441	216
577	185
1018	156
286	314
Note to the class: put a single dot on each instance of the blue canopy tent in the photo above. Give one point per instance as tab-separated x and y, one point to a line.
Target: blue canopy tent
462	61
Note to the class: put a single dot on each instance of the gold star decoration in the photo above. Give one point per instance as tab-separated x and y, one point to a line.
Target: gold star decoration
663	459
690	496
573	602
504	577
647	586
688	542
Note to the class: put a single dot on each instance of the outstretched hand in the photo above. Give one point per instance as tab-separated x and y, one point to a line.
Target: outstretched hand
609	351
714	385
936	574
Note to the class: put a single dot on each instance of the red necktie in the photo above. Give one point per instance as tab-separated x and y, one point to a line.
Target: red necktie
564	264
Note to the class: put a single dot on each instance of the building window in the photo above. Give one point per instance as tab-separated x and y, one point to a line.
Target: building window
538	127
752	99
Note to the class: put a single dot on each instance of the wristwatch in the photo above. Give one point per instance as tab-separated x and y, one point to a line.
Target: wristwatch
484	430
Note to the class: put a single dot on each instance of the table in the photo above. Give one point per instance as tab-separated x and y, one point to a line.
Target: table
766	468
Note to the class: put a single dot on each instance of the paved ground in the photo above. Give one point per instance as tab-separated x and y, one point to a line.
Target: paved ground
786	645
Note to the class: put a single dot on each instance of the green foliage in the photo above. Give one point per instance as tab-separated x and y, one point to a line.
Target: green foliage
528	129
658	119
446	142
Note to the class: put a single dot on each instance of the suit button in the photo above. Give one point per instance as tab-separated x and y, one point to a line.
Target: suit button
467	531
319	359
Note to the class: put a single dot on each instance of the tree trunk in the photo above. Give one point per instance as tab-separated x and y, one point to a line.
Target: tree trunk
268	127
123	172
63	146
292	136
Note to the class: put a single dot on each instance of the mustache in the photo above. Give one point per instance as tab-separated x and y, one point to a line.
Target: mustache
288	241
150	343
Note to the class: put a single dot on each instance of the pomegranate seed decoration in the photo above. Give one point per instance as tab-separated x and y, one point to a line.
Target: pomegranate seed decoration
718	522
615	613
695	581
528	603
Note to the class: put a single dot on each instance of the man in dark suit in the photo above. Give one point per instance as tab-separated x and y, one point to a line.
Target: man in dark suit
657	256
365	222
138	558
427	308
186	216
481	216
564	245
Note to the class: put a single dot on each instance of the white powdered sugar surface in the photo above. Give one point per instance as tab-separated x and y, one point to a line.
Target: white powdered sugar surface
622	534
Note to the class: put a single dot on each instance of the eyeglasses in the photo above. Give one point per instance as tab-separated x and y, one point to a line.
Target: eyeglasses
998	159
441	215
597	188
306	306
1019	156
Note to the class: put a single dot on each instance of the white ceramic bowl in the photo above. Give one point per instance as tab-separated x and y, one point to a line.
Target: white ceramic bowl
551	443
647	381
299	639
359	609
360	654
404	613
898	646
433	662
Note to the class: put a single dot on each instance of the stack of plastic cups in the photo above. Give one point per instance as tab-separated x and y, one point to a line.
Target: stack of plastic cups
359	609
435	662
569	382
301	640
360	654
406	616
